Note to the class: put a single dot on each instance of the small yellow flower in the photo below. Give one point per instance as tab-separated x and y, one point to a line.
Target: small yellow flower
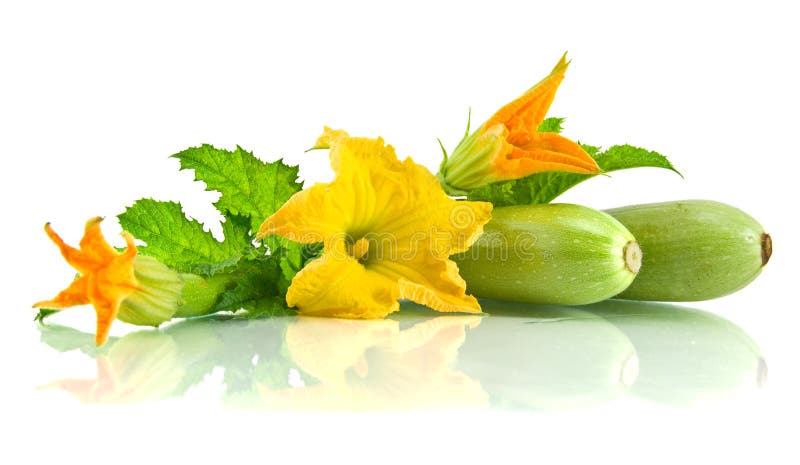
388	230
509	146
107	277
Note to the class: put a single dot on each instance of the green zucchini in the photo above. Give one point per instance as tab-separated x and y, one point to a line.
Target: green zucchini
552	254
693	249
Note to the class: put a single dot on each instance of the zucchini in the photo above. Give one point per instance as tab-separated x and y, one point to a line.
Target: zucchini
693	249
552	254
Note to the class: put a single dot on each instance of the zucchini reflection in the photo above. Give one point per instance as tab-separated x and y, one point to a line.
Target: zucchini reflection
548	357
685	355
517	356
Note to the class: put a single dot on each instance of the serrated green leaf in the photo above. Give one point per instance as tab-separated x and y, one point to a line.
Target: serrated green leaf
545	187
592	150
249	186
183	244
620	157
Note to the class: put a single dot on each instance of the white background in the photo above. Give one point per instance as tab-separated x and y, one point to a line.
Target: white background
95	96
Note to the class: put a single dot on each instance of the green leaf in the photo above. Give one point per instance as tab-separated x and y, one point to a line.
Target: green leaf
544	187
551	125
592	150
183	244
291	261
267	308
44	313
257	280
294	258
249	186
621	157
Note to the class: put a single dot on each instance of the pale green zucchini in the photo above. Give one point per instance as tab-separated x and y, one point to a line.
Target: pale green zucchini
693	249
555	254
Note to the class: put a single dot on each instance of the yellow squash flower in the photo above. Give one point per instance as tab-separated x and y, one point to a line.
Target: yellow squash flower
509	145
388	230
107	276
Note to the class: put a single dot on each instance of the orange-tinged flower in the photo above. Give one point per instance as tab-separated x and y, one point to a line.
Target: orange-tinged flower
388	230
509	145
106	276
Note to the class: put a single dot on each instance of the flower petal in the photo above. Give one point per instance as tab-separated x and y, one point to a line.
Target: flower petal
374	193
329	137
309	216
364	188
106	295
412	212
108	288
94	246
545	152
346	152
78	259
523	116
106	306
74	294
430	281
441	227
339	286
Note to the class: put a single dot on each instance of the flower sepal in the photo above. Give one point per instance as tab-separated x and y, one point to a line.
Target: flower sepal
157	296
470	164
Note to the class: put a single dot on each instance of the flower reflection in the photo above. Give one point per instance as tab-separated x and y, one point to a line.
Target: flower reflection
339	363
380	365
519	356
138	367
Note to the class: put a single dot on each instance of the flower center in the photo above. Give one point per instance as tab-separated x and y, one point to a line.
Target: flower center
358	249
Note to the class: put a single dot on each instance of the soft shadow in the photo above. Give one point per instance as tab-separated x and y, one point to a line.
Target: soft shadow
516	356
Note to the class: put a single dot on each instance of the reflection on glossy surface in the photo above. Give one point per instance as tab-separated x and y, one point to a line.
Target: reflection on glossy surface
548	357
518	356
685	355
141	366
376	365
